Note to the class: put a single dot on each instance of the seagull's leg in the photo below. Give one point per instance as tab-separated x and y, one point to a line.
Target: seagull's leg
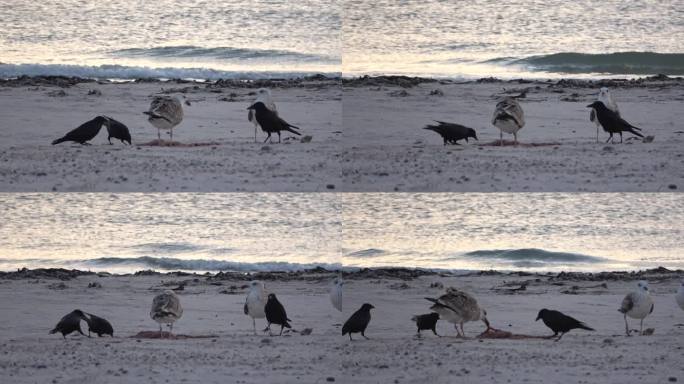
626	325
597	133
160	331
501	138
254	324
172	135
463	331
515	137
159	134
170	329
255	133
641	328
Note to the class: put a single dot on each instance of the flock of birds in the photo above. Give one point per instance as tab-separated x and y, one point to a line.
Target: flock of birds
454	306
509	117
166	112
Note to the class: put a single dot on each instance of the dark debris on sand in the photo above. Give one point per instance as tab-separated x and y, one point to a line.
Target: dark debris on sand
34	81
397	81
45	273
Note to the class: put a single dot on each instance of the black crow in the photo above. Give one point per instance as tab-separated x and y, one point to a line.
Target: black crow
559	322
427	321
451	132
71	322
270	122
612	122
358	321
85	132
99	326
275	313
117	130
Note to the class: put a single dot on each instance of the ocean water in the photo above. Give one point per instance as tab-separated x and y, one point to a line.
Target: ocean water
204	39
513	38
291	231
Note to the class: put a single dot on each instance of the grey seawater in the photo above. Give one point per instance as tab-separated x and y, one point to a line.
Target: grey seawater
478	38
292	231
170	38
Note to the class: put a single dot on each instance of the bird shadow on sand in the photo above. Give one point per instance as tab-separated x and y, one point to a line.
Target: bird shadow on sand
168	335
167	143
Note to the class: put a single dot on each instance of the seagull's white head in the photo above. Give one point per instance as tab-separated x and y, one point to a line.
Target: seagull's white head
642	286
604	93
264	92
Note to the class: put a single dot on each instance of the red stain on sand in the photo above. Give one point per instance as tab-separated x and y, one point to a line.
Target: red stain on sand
509	143
165	143
167	335
493	333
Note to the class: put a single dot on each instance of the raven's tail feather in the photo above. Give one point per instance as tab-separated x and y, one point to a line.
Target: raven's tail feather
292	130
635	132
584	326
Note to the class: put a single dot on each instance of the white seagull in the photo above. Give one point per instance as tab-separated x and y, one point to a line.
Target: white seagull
336	293
256	302
165	113
264	96
637	305
166	309
508	117
680	296
458	307
607	99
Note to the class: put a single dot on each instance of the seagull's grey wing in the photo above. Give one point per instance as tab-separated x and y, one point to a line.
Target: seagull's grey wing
627	303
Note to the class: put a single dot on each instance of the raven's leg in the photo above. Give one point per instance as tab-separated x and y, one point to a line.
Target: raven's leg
110	140
281	330
610	138
445	141
561	335
620	137
268	137
462	331
278	137
435	331
364	336
458	333
350	339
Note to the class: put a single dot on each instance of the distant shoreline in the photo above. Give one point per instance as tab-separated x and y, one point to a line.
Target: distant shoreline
317	273
348	81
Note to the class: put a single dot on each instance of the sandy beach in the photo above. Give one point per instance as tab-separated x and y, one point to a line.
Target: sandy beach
217	151
224	346
386	149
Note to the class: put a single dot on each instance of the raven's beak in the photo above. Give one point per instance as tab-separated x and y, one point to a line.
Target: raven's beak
251	107
590	106
537	319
